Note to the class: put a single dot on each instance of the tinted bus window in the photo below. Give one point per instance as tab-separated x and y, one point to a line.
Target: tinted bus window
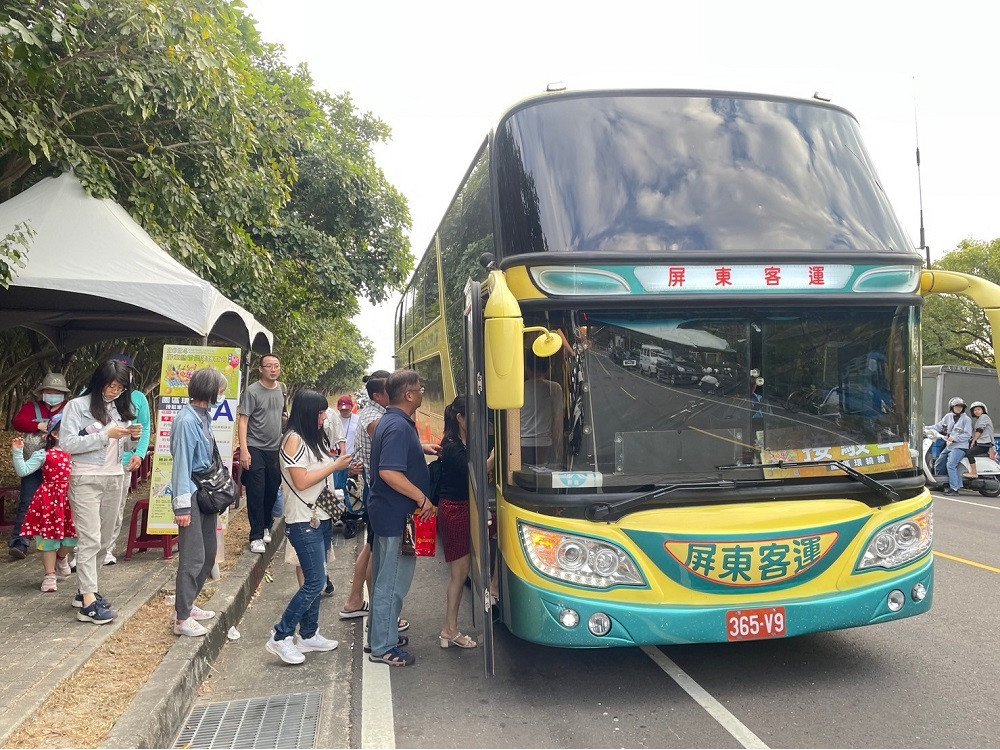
675	173
466	233
430	417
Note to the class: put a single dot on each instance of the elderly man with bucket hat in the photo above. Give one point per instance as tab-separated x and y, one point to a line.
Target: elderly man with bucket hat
32	420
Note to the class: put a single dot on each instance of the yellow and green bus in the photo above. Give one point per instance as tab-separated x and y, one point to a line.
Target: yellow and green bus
712	431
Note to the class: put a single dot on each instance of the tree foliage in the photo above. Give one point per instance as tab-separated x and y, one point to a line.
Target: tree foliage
228	157
955	330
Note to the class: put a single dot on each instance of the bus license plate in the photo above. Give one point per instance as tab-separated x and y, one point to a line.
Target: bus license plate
755	624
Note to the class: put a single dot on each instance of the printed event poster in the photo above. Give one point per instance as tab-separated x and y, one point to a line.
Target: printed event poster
179	362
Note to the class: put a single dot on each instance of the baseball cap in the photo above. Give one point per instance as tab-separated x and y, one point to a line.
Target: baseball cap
123	358
345	401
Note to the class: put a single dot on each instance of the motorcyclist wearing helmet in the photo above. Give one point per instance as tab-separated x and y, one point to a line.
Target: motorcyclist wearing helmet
956	426
983	439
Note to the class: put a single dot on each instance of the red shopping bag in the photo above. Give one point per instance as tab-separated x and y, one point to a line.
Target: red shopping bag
425	536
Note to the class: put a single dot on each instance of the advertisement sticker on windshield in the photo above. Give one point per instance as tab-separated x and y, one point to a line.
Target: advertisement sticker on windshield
864	458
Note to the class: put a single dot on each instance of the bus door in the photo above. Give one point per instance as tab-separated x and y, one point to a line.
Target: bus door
479	490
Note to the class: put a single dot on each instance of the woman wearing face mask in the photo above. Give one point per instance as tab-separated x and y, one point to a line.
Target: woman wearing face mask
96	431
33	420
192	446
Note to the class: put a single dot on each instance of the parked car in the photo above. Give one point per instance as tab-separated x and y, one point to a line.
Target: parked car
677	371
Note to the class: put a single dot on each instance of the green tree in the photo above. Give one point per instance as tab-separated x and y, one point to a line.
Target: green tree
228	157
955	330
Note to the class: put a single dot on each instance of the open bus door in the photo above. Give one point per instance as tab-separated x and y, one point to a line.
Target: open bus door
479	487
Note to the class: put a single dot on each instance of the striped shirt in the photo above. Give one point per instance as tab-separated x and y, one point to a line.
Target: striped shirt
363	443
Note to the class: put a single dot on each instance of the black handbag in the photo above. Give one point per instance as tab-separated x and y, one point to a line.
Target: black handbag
216	488
326	501
329	504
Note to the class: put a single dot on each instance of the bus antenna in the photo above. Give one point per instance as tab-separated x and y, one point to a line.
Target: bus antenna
920	189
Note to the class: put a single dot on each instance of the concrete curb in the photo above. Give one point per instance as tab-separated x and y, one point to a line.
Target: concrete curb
158	711
21	711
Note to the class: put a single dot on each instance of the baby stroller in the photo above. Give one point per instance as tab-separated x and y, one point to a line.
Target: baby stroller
354	508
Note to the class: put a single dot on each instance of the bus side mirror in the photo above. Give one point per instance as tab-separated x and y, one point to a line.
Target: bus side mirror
504	360
545	345
504	346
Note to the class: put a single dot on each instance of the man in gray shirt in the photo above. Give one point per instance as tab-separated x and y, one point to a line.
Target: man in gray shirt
260	413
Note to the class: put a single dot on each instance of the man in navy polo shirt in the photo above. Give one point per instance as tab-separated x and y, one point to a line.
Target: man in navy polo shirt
400	486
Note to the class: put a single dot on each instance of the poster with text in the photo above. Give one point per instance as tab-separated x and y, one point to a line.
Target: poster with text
179	363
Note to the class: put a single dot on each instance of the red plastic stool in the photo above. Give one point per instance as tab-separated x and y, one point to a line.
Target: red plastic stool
7	524
139	540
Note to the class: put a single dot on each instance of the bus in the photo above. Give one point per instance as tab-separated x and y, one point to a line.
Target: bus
745	241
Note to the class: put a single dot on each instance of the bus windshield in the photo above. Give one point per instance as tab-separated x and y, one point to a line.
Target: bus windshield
685	172
653	397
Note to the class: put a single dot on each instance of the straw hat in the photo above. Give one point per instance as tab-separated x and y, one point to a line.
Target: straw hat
54	381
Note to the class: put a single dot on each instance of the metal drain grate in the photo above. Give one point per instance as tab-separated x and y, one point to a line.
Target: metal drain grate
272	722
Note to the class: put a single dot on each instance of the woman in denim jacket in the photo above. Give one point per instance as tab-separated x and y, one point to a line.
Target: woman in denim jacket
192	447
96	431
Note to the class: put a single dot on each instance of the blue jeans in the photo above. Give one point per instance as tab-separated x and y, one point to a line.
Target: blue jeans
392	574
29	486
279	505
949	461
303	610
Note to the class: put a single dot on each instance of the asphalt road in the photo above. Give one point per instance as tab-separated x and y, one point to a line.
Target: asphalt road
929	681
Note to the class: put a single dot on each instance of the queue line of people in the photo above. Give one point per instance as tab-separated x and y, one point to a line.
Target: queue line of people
90	443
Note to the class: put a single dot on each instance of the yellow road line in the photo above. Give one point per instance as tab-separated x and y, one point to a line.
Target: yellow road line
967	562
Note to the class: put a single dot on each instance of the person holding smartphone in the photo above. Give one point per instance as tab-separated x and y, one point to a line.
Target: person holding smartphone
96	431
306	470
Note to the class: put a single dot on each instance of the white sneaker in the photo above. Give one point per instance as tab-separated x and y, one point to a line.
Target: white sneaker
285	649
197	613
62	567
110	559
316	643
258	546
267	536
189	627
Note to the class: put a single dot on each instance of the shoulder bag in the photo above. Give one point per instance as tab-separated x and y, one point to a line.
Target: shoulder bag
326	501
216	488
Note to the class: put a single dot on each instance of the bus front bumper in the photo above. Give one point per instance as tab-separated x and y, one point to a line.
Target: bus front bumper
532	613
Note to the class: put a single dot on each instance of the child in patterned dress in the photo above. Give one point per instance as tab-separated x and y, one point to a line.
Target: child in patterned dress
49	518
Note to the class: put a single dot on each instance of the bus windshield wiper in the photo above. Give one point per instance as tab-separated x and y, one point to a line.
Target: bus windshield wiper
611	511
883	489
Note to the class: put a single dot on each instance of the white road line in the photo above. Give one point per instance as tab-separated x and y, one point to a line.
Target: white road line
938	498
718	712
378	728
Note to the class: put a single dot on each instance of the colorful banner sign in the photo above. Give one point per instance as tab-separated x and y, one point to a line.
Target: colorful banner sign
179	363
864	458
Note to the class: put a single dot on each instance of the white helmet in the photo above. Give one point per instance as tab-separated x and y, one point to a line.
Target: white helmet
980	404
957	401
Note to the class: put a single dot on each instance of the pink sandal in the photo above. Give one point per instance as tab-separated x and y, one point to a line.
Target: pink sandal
461	640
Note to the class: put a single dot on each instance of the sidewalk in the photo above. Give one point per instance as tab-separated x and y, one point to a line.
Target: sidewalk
246	671
41	641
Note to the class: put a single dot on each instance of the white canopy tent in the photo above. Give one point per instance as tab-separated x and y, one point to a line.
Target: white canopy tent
93	273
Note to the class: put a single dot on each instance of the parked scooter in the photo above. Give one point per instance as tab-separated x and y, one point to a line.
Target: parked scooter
986	484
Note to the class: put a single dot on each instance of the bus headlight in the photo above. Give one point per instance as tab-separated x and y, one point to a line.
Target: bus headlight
899	542
578	559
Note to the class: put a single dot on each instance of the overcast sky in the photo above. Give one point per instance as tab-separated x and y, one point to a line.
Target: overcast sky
440	74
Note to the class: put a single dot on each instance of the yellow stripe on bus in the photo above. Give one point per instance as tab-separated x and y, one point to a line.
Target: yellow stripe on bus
967	562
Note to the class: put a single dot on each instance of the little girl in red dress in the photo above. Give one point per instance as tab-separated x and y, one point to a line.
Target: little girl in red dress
49	518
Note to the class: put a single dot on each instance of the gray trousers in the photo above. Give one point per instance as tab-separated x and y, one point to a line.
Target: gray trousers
196	548
95	501
126	485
